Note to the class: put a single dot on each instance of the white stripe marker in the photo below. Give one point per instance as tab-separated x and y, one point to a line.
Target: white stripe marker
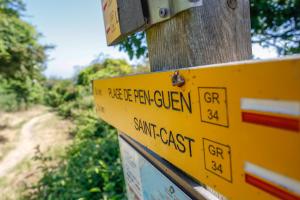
274	106
273	177
208	193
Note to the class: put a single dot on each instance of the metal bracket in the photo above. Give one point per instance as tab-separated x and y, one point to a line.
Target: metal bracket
162	10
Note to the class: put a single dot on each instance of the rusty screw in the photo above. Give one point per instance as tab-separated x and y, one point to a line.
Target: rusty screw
163	12
232	4
177	79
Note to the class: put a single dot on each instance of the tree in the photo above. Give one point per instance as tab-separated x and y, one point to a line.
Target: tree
108	68
134	45
12	7
20	52
22	58
275	23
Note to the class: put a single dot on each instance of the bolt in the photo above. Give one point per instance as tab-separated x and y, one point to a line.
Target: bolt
163	12
232	4
171	190
177	79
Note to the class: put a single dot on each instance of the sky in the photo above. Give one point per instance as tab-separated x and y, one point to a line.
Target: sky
76	29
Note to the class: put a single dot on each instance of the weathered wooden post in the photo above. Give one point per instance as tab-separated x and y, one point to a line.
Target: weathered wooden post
216	32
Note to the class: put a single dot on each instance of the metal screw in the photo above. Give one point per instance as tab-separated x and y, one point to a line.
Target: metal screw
177	79
163	12
232	4
171	190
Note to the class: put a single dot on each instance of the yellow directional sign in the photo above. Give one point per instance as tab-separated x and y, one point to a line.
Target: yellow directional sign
111	20
234	128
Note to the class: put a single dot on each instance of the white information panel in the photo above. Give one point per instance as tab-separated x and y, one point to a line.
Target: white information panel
143	180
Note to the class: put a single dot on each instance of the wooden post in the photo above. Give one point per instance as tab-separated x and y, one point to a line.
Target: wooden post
217	32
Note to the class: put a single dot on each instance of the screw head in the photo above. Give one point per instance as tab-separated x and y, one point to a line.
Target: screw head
163	12
177	79
171	190
232	4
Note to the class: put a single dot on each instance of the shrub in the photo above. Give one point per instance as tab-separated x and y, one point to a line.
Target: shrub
91	168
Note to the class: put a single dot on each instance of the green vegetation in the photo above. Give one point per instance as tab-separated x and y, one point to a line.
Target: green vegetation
276	24
20	92
91	168
22	59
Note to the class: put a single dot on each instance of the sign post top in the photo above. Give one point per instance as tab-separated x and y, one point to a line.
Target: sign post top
111	20
123	18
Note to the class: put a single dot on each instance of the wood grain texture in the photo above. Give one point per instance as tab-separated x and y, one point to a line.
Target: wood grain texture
131	17
210	34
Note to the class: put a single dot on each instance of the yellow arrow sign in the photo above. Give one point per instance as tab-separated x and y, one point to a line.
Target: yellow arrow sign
234	128
111	20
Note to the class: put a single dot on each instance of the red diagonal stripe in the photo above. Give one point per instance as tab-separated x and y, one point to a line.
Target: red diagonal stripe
107	30
104	7
274	121
270	188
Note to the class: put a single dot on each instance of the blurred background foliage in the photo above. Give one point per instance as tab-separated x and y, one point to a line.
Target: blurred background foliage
22	59
91	167
276	24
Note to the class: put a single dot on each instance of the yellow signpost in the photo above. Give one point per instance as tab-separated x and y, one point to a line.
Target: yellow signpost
233	127
111	20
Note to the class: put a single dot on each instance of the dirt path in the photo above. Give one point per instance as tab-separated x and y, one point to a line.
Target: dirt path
24	147
22	132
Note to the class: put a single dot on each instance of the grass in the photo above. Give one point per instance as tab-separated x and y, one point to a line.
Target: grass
10	145
9	188
52	134
7	146
3	182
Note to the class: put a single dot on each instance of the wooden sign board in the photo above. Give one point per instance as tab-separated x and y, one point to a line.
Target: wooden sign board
122	18
234	128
